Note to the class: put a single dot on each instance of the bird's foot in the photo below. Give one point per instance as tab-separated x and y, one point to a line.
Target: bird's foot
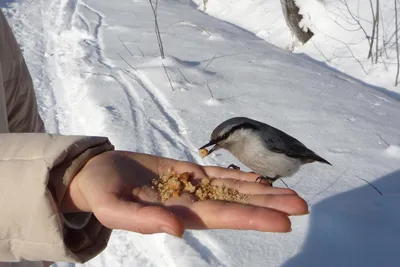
234	167
268	179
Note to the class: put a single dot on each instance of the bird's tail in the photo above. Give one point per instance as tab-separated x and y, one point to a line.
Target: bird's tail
314	157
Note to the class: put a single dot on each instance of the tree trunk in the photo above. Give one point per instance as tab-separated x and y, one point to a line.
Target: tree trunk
293	18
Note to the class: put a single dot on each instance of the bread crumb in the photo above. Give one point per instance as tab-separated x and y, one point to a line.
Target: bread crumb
203	152
173	184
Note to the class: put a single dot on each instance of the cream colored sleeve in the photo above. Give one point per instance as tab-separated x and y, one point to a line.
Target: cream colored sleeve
35	171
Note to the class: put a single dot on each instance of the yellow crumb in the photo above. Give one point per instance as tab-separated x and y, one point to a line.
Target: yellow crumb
203	152
173	184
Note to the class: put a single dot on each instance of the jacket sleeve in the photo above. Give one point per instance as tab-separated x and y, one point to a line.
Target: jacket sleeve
35	171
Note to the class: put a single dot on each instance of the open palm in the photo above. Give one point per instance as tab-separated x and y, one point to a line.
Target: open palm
115	187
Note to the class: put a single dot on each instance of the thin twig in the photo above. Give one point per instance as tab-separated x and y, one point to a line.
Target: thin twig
126	62
157	29
361	65
125	46
166	73
373	32
383	38
140	51
329	186
284	182
377	31
377	190
320	52
384	63
383	139
130	75
210	62
355	19
183	76
209	89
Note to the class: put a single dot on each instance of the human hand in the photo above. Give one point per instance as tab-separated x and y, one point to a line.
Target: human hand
115	187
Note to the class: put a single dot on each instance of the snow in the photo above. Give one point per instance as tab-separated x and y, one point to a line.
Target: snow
393	151
97	71
338	41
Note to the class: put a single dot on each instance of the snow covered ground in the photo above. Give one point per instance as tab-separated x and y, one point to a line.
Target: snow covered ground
339	26
97	71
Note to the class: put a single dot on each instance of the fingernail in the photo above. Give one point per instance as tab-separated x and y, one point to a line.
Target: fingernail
169	230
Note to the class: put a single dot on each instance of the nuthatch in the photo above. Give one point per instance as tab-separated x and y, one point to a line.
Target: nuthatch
268	151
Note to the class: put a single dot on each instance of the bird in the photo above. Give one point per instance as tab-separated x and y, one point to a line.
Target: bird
268	151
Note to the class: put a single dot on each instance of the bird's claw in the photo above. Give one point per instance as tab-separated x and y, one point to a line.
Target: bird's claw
234	167
269	180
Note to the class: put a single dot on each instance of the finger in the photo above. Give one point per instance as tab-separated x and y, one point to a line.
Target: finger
289	204
220	172
222	215
136	217
245	187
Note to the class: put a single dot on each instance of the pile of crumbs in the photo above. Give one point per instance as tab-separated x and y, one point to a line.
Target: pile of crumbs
173	184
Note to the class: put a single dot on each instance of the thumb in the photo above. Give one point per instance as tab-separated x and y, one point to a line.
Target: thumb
136	217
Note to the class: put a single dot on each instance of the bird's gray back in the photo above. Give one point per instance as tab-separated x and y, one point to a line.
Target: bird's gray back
275	139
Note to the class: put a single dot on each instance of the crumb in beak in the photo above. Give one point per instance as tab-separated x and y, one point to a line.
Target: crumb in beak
203	152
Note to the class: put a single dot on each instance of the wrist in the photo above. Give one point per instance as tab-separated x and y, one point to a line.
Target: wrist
74	200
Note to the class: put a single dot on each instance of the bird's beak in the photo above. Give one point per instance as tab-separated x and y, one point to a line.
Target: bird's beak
215	147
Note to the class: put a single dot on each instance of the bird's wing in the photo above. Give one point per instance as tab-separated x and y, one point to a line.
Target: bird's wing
280	142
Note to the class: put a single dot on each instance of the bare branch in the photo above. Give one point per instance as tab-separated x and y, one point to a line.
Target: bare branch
209	89
157	30
355	19
373	31
380	137
359	62
125	46
140	51
344	28
210	62
126	62
284	182
383	50
377	31
166	73
320	52
183	76
329	186
376	189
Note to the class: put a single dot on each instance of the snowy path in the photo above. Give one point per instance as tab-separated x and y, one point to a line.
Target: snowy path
97	71
79	104
72	48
